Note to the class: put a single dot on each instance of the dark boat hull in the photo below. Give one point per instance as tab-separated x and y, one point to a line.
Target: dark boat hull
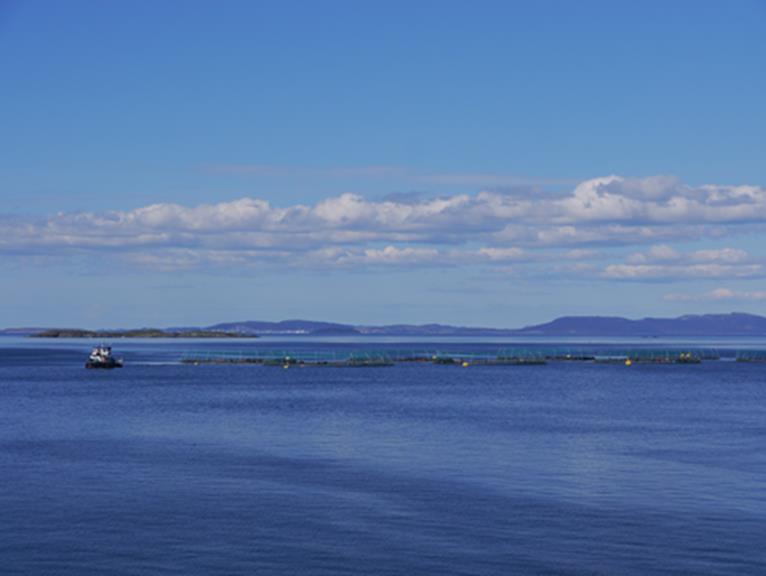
103	365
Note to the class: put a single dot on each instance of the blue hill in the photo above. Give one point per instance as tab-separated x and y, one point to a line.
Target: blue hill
734	324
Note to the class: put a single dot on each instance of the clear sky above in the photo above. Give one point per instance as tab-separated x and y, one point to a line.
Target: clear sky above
483	163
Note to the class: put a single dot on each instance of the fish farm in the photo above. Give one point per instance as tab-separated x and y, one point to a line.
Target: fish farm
529	356
754	356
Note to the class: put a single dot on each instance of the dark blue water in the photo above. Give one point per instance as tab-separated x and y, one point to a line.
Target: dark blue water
414	469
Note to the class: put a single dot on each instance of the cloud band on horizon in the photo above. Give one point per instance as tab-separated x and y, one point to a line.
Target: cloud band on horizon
490	228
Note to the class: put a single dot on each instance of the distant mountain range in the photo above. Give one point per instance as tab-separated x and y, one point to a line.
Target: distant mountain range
734	324
308	327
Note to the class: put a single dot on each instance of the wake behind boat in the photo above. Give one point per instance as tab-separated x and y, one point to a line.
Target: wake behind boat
101	357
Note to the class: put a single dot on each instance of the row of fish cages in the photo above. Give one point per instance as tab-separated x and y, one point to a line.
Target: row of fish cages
658	356
286	359
531	356
751	356
611	355
367	358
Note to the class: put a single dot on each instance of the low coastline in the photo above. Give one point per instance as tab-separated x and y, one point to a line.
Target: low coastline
140	333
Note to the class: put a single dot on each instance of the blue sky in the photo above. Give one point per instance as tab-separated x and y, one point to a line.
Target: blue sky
485	163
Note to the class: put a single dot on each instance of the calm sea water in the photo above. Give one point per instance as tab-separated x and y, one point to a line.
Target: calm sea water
162	468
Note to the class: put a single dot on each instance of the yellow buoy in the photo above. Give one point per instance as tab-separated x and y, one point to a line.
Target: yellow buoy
628	362
465	364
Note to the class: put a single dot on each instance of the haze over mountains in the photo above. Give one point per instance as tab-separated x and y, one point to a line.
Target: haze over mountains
734	324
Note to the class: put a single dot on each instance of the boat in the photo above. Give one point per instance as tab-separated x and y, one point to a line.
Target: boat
101	357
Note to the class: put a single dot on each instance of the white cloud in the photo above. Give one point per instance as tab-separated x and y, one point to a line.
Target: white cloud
660	253
663	254
485	228
666	263
390	255
719	294
497	254
729	255
663	262
676	272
